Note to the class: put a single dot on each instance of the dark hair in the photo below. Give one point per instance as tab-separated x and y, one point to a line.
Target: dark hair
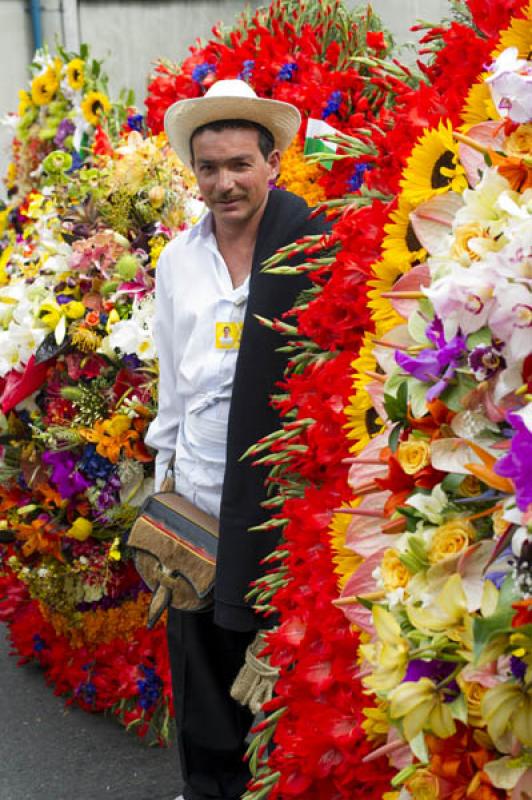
266	140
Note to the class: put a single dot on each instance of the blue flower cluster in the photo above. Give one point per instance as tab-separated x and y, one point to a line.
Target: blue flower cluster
333	104
200	72
135	122
357	178
38	643
286	73
247	69
93	465
150	687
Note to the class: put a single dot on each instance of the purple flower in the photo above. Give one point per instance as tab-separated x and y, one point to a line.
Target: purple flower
517	463
65	474
135	122
436	670
436	364
200	72
333	104
65	128
357	178
518	668
286	73
247	69
486	361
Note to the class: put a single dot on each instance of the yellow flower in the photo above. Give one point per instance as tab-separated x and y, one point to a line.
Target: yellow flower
75	71
4	260
345	560
478	106
451	538
519	143
44	87
508	706
389	656
24	102
156	244
423	785
300	177
473	693
421	706
74	309
95	105
413	455
463	248
433	167
446	614
518	34
401	245
470	487
376	725
393	572
80	529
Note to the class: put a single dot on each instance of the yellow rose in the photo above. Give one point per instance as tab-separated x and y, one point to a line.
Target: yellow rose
519	143
470	486
413	455
450	538
393	572
423	785
473	692
461	248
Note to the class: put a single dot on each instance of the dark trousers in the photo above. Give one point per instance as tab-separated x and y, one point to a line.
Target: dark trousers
211	726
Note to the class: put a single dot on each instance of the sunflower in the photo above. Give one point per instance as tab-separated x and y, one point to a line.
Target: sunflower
94	106
363	421
346	560
75	72
401	245
383	314
24	102
478	106
44	87
519	35
433	167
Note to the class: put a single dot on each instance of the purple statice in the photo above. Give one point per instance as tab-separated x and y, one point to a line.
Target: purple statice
287	71
436	670
131	361
357	178
247	69
333	104
436	365
149	687
65	475
108	497
200	71
486	360
38	643
65	128
63	299
93	465
517	463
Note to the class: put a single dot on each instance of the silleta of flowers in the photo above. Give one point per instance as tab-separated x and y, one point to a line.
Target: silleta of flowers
77	387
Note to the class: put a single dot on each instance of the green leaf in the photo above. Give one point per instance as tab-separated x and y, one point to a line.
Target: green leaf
451	483
459	709
393	439
417	392
480	337
455	393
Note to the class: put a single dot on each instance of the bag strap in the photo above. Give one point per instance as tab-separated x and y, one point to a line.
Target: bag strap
168	482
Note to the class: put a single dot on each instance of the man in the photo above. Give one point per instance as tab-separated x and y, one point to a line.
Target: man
214	399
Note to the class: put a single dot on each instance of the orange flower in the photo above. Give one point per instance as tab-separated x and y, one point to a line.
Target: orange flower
458	762
92	318
39	537
516	171
114	437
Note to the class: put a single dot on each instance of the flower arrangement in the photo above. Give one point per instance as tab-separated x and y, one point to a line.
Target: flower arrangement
323	721
77	391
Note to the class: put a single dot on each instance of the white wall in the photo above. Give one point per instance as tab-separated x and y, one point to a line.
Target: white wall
130	34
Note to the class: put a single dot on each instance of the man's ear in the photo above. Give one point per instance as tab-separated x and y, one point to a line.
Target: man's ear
274	162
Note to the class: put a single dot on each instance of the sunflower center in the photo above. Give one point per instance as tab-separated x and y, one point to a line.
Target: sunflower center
412	242
97	108
371	421
445	161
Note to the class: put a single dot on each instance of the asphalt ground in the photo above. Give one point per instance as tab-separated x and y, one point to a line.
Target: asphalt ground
52	752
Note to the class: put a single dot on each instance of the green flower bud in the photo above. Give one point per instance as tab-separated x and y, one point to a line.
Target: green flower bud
57	162
127	267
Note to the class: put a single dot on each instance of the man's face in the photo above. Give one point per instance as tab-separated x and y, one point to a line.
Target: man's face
232	173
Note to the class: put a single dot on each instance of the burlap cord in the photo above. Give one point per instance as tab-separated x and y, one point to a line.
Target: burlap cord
254	684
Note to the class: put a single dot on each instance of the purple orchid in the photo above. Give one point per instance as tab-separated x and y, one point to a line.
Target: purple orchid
65	474
65	128
436	364
517	463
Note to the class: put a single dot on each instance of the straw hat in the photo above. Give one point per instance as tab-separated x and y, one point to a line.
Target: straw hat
229	99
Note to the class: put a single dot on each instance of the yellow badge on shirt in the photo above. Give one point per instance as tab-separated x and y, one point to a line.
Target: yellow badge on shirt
228	335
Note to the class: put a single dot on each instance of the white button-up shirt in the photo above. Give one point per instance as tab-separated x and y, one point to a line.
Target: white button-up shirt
198	318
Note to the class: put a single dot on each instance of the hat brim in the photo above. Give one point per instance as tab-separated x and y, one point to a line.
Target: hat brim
185	116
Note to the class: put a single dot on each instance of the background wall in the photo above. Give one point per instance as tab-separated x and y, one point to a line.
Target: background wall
131	34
